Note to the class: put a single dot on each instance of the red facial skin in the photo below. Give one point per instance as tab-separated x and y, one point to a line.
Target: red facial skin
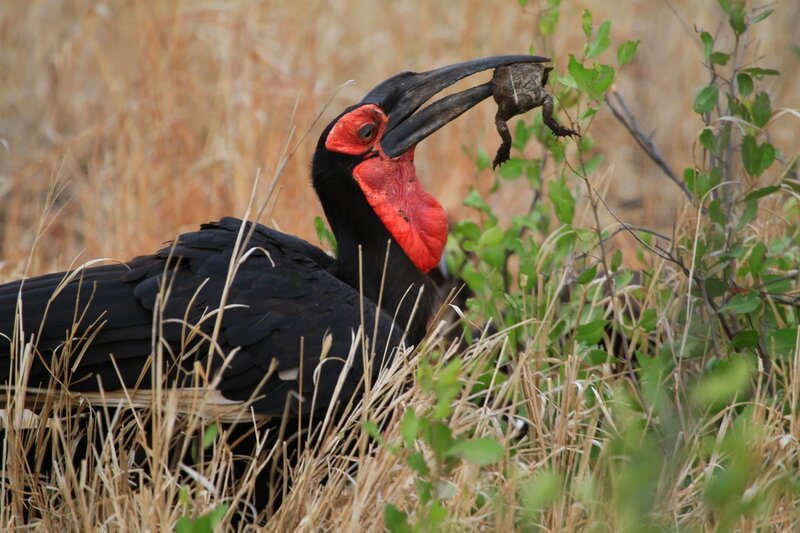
413	217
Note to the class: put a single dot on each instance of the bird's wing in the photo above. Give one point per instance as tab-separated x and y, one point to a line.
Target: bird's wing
282	311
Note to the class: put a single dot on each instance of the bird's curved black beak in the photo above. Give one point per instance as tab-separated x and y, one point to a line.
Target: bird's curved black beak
402	95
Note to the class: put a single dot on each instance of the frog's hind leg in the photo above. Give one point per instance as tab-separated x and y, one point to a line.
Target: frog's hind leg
550	121
504	152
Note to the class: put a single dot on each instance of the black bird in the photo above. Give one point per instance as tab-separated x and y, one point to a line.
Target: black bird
288	302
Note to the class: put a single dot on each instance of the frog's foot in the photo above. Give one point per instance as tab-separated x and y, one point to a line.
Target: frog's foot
550	121
557	129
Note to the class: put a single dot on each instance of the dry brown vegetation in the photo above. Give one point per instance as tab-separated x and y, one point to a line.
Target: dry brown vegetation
156	116
149	118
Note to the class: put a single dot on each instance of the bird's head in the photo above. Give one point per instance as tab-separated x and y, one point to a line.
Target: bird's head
364	163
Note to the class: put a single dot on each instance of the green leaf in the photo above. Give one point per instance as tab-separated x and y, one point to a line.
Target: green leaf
183	496
548	21
425	380
372	430
706	99
724	383
206	523
706	139
436	512
522	133
416	461
492	237
447	385
474	279
742	303
490	247
604	80
482	160
736	20
210	435
622	277
599	357
533	172
708	44
756	158
601	41
324	234
725	5
424	491
395	519
755	262
583	77
592	81
587	275
563	201
626	52
736	251
513	168
715	212
466	230
760	193
723	139
541	492
761	110
719	58
586	23
737	108
745	83
690	178
409	428
648	320
482	451
438	436
749	213
476	201
777	283
761	16
589	112
591	332
745	339
616	261
715	287
782	342
758	72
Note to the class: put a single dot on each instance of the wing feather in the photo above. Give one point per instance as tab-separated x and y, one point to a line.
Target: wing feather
281	305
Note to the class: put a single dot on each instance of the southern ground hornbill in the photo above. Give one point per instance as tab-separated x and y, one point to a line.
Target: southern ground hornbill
287	304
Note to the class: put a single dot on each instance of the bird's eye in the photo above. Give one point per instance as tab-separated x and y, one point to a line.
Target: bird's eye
367	132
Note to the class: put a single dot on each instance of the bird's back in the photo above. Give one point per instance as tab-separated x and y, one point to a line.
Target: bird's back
101	326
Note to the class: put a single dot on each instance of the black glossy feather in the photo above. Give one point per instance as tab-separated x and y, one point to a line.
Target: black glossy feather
282	302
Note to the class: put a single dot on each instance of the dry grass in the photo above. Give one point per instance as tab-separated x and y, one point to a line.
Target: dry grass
155	116
160	113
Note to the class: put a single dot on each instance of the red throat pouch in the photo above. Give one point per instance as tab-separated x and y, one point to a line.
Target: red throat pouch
415	219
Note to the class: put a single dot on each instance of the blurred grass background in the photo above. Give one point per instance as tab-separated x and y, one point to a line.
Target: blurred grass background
156	116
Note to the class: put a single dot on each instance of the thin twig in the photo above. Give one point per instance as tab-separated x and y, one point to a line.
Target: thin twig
621	112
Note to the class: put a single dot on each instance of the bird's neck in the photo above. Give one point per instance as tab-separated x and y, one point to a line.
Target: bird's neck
379	269
394	282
